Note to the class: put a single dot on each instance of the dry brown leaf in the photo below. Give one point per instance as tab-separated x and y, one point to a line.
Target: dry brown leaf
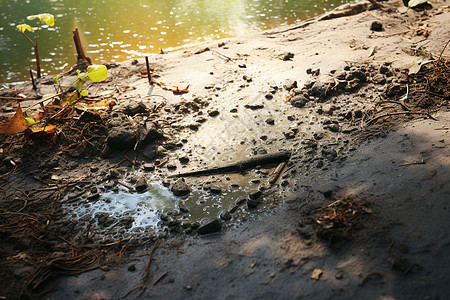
103	104
174	89
16	124
47	133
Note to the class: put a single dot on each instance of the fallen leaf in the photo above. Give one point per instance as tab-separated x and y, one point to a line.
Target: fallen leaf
47	133
202	50
414	3
316	274
103	104
174	89
415	67
372	50
18	123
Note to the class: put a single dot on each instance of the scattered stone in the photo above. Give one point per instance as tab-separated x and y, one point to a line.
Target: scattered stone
234	110
94	196
333	127
399	262
149	151
131	268
255	195
319	89
147	133
254	106
290	84
339	275
213	113
314	72
379	79
149	167
247	78
182	206
376	26
121	138
383	69
288	56
327	194
135	107
270	121
329	154
269	96
299	101
210	227
171	167
215	189
141	184
358	114
253	203
180	188
184	160
193	127
224	215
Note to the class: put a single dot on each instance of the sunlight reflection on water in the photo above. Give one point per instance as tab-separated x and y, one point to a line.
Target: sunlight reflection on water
123	29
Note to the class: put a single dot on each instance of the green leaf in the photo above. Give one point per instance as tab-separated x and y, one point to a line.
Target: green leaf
55	79
97	73
30	121
84	93
24	27
414	3
49	19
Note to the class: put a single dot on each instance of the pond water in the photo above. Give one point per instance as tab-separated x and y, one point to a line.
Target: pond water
124	29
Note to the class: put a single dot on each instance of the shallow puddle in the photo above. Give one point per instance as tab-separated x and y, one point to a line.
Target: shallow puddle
143	209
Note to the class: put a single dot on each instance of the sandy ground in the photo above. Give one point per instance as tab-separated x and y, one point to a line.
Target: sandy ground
399	175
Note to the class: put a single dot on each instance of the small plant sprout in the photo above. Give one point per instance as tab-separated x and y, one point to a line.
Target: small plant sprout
95	73
47	19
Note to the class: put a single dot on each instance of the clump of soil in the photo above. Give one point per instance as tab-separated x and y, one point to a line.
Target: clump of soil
341	219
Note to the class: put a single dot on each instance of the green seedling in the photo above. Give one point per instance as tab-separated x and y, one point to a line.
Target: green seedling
94	73
47	19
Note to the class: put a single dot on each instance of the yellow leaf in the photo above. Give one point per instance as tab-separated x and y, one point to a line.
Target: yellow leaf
18	123
49	19
24	27
316	274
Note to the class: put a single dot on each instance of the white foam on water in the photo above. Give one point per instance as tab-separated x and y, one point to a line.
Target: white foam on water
145	207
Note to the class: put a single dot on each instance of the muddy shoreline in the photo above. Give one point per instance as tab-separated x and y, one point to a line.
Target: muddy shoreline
359	210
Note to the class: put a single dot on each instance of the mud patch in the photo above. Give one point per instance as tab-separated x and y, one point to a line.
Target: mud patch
339	220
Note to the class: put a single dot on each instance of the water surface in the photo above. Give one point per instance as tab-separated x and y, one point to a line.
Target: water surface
124	29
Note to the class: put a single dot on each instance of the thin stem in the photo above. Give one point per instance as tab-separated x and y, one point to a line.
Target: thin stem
28	38
38	61
36	51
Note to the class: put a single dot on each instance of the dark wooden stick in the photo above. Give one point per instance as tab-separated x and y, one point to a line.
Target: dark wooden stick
276	174
240	166
79	46
148	71
150	256
32	80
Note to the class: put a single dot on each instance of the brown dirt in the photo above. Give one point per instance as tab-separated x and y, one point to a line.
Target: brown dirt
370	212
